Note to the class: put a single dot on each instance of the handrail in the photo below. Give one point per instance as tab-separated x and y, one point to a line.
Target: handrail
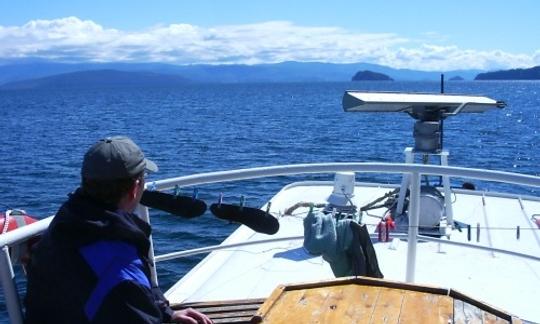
212	248
23	233
368	167
186	253
479	247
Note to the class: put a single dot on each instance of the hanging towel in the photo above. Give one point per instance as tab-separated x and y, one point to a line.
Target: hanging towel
341	244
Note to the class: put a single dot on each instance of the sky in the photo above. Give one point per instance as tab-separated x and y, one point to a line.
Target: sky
416	34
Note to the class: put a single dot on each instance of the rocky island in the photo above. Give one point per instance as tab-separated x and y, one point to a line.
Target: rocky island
370	76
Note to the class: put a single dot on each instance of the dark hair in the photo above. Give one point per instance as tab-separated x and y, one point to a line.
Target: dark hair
109	192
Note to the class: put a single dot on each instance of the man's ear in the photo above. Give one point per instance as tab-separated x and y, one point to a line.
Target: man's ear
134	189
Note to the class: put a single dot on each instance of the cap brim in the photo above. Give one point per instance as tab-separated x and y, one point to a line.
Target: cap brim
150	166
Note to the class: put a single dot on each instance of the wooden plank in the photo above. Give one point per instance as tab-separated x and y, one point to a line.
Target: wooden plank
367	281
324	305
489	318
445	308
269	303
459	314
348	304
371	300
473	314
483	306
219	303
464	313
232	311
221	309
492	319
240	313
477	313
362	303
331	308
419	307
388	306
309	306
503	321
239	320
296	306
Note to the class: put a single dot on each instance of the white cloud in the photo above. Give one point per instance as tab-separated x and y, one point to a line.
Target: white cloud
73	39
439	58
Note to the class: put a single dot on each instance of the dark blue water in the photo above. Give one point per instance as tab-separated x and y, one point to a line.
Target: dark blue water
203	128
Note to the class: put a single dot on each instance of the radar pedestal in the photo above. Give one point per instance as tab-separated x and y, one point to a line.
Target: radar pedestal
410	155
429	111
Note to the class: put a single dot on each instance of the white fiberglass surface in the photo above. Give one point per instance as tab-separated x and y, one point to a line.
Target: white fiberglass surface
393	102
505	281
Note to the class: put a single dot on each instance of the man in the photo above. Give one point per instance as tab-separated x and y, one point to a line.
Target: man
92	266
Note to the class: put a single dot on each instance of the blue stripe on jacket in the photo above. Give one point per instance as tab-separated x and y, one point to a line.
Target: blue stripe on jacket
113	262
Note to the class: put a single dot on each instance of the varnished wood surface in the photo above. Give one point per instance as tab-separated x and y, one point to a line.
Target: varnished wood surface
355	300
374	301
221	312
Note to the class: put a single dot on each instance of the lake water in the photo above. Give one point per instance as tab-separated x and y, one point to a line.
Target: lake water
200	128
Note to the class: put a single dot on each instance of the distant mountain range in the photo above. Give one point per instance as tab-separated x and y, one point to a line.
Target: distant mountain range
98	78
39	73
18	70
514	74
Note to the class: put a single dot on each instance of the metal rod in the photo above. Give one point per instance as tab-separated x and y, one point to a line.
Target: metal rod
181	254
7	276
449	210
480	247
441	138
409	158
254	173
187	253
22	234
442	82
414	213
528	221
143	214
486	220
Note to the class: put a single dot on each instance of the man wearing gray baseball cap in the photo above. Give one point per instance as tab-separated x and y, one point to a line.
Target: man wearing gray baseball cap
91	265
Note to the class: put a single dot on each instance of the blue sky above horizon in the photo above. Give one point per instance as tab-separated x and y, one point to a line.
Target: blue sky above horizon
418	34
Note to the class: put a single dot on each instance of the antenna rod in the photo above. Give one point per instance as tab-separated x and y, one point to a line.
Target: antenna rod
442	82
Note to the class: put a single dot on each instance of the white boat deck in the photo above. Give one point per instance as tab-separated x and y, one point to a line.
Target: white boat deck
502	280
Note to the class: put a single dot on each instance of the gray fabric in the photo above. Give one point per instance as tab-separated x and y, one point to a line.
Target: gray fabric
325	236
115	158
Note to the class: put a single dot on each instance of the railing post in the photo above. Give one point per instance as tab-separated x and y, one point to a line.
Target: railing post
447	192
11	296
142	211
414	214
409	158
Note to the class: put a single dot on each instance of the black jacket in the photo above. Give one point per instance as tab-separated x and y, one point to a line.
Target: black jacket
91	266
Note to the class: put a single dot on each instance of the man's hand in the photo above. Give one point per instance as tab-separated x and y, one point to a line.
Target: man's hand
190	316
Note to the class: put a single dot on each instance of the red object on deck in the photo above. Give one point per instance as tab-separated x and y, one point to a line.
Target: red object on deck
15	219
383	231
11	220
384	227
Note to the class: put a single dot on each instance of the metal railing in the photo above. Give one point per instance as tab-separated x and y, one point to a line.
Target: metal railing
212	248
415	171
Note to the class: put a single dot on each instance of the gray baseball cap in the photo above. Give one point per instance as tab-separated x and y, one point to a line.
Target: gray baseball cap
115	157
